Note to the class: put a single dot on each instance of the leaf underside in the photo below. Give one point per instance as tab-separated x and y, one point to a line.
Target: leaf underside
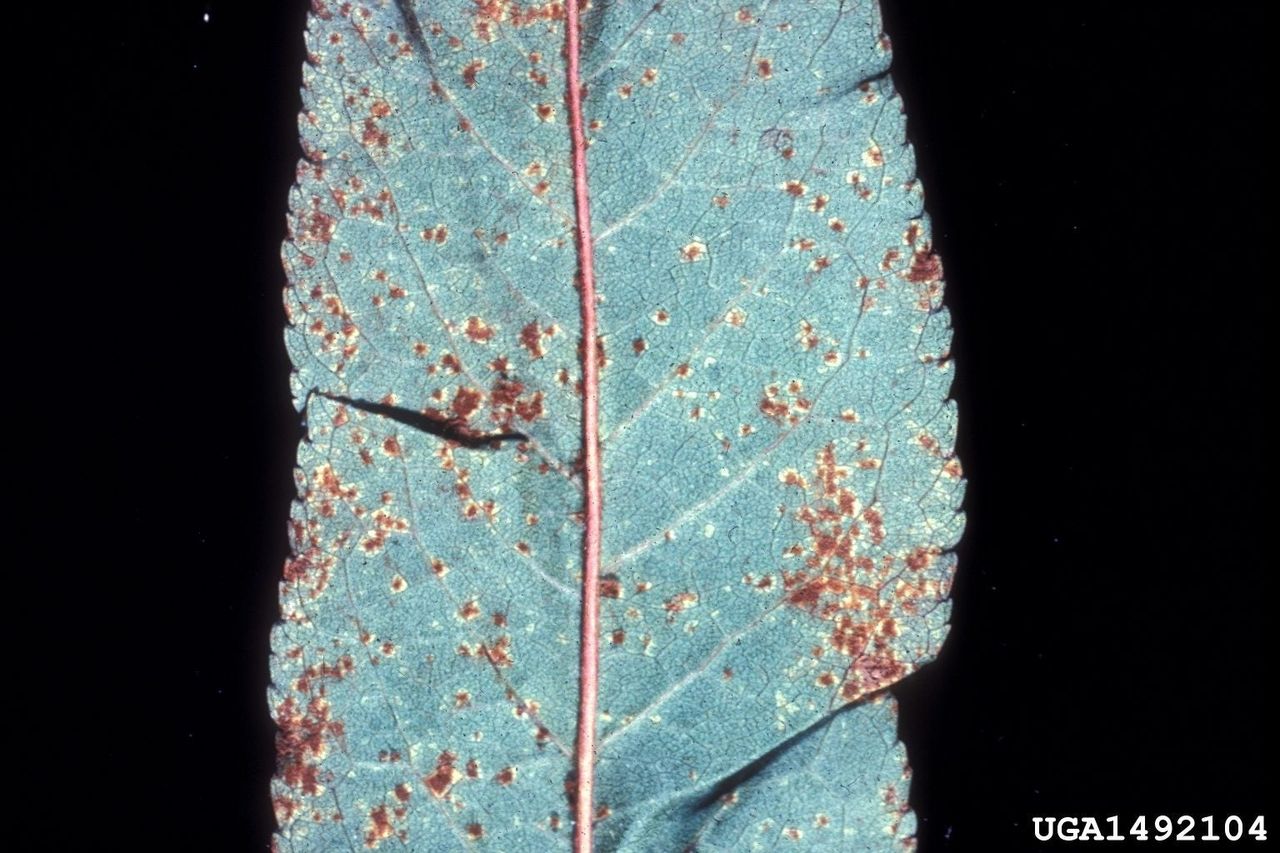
780	495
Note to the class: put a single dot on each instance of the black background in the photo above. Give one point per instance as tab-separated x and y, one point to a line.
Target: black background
1096	184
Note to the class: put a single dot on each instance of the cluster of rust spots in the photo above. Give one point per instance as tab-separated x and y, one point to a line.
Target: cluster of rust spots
489	14
855	179
536	75
843	586
438	234
532	335
309	571
384	525
925	272
679	603
302	741
323	671
785	406
807	336
380	826
472	509
898	809
497	653
507	405
317	227
332	323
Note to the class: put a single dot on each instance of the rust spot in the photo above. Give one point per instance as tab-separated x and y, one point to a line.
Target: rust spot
618	637
470	70
531	339
678	603
693	251
475	831
505	776
610	587
303	740
499	653
545	112
440	780
764	68
477	330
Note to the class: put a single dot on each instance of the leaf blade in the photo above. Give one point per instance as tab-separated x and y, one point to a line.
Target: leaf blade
779	399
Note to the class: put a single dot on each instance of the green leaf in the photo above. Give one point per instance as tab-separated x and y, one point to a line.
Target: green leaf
780	494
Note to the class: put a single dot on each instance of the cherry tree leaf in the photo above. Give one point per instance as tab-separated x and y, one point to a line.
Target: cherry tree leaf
780	494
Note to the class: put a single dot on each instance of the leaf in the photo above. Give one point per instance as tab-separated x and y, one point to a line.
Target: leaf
779	489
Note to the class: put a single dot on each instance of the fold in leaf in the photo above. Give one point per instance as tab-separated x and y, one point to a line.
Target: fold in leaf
780	491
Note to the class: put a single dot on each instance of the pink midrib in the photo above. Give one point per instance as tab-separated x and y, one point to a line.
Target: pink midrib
589	641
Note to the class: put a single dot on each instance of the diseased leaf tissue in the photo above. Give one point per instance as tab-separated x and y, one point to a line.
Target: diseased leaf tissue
779	489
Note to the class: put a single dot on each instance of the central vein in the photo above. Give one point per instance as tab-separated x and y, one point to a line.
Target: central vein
589	643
